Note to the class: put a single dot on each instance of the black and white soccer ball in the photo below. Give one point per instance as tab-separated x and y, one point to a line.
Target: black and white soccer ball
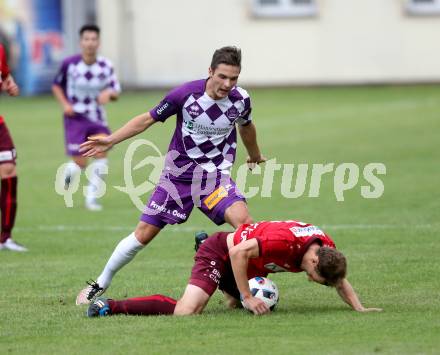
264	289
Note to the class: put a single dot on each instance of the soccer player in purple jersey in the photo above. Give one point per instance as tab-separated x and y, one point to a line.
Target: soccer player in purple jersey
84	83
198	162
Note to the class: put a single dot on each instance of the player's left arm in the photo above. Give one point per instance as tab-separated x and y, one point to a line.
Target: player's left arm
107	95
349	296
10	86
112	91
248	134
7	81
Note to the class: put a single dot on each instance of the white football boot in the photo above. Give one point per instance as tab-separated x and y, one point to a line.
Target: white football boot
93	205
90	293
10	244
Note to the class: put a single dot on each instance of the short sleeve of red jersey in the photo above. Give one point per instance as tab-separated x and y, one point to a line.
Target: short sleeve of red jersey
4	69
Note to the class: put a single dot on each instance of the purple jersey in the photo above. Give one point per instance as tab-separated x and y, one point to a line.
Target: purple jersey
205	132
82	84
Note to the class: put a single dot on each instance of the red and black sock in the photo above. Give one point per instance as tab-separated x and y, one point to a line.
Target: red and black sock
8	206
144	306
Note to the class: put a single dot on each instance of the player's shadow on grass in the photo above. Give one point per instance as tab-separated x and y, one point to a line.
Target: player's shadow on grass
284	310
307	309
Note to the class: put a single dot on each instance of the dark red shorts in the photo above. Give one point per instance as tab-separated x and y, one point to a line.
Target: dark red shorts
7	149
212	267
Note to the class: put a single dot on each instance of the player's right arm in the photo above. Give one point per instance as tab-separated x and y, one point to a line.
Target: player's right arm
61	98
240	255
59	85
166	108
136	125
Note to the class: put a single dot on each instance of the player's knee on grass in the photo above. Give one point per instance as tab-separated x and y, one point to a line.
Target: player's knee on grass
230	301
192	302
184	309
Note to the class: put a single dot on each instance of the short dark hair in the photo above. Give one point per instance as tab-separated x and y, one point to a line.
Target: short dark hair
92	28
332	265
229	55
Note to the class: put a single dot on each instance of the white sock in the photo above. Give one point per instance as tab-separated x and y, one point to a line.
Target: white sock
96	173
124	252
72	169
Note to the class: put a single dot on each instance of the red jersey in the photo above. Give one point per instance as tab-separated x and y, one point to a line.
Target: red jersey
4	69
282	244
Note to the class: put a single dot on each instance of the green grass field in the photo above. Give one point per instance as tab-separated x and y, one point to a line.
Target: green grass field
391	242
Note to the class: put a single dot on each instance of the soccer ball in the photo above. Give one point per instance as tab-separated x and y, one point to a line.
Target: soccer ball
265	290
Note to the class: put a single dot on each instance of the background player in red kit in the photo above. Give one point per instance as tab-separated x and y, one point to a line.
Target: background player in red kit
8	172
228	260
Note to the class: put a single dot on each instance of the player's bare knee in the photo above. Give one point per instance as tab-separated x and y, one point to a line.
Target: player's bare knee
145	232
240	219
7	171
238	214
80	161
143	236
185	312
184	309
246	219
231	303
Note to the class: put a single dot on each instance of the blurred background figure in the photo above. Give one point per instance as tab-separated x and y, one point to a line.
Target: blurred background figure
32	30
84	83
311	46
8	172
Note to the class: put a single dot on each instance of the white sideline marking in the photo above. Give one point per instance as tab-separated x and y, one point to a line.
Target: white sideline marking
378	226
180	229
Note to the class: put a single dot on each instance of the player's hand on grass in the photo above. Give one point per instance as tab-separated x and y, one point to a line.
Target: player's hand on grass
256	305
253	161
365	310
95	145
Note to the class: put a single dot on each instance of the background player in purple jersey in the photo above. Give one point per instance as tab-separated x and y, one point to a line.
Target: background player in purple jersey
227	260
84	83
198	162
